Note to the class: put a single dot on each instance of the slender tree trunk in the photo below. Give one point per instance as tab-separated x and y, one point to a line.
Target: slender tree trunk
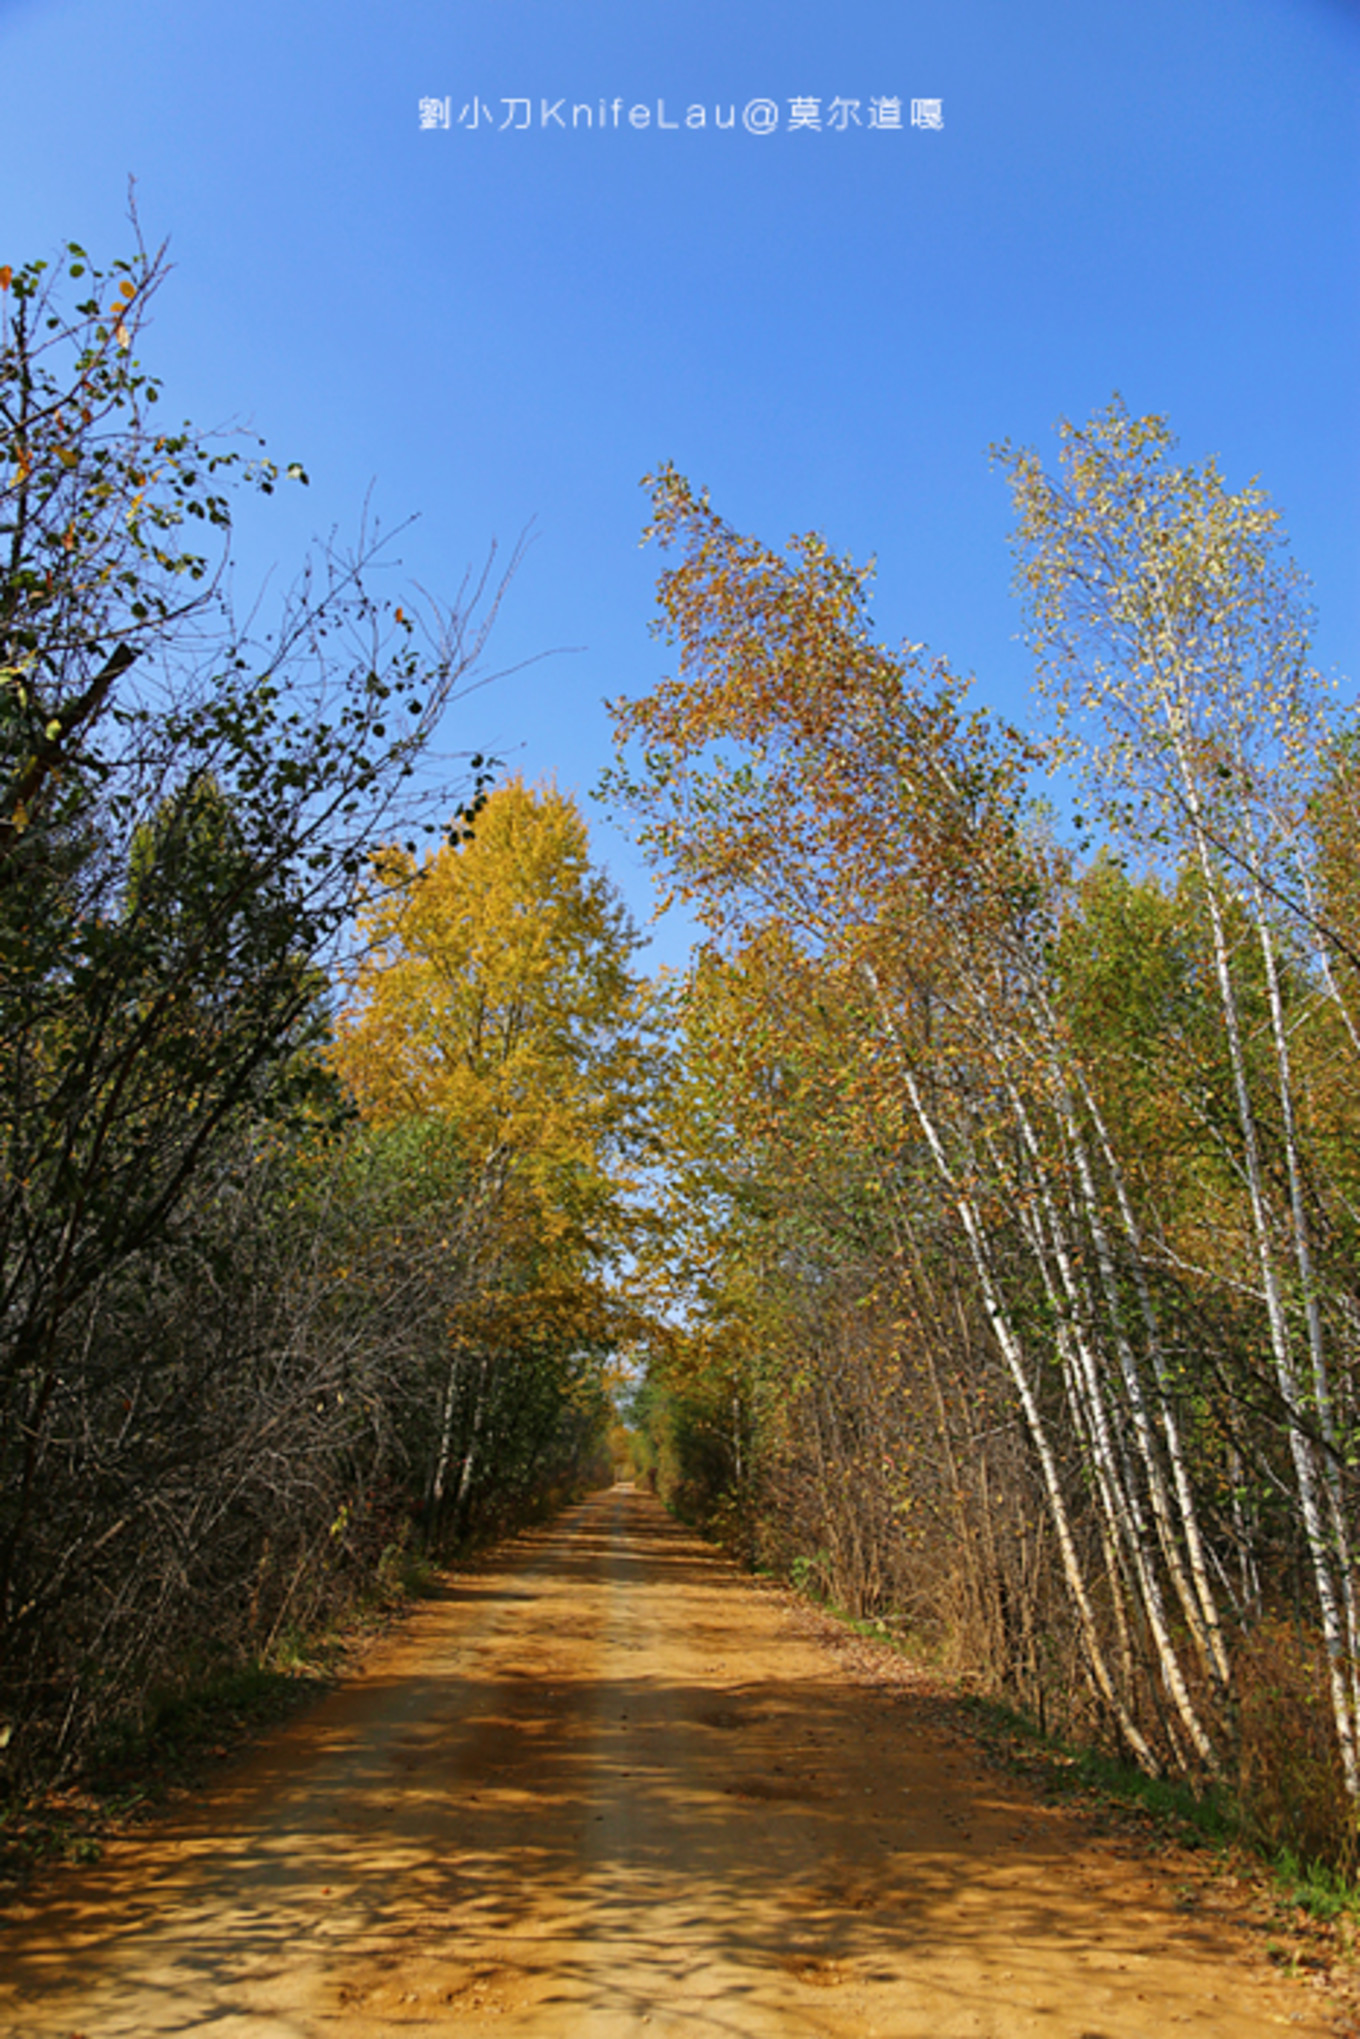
1012	1352
1286	1370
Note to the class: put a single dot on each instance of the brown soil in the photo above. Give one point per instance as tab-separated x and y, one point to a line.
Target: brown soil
606	1785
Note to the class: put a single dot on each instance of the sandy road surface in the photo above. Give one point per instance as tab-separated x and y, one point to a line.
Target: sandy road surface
605	1787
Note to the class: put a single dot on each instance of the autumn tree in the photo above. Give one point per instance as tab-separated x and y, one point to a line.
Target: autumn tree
185	809
496	999
1102	1118
1171	629
800	780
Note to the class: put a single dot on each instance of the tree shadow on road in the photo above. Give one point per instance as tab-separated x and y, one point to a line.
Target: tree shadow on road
601	1773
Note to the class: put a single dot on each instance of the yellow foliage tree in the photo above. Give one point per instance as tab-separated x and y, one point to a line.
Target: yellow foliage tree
496	998
496	994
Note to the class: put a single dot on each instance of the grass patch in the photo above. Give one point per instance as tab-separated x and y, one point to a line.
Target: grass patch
1207	1816
806	1577
1314	1888
894	1631
405	1571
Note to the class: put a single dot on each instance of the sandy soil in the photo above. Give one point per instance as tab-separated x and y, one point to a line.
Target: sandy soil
607	1786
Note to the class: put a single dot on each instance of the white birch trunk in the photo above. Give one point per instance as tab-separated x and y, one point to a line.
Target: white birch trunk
1208	1627
1286	1370
1012	1352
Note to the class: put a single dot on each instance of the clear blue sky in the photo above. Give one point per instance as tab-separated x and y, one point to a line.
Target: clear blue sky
492	326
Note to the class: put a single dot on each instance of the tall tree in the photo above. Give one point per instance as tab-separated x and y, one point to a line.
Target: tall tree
185	809
799	780
1171	629
496	997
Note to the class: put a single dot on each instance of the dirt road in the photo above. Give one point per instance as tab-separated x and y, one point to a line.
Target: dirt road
608	1787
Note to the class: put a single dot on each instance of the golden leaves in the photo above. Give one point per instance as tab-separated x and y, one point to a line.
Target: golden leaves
497	988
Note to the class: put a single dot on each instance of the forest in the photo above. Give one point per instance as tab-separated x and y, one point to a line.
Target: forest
969	1233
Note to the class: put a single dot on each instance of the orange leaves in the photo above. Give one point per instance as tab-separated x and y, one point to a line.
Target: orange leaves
793	771
839	821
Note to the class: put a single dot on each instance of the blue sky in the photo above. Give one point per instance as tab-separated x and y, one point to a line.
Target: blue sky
489	326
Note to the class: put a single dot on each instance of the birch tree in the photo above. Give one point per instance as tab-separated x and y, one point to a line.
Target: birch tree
1171	632
798	777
